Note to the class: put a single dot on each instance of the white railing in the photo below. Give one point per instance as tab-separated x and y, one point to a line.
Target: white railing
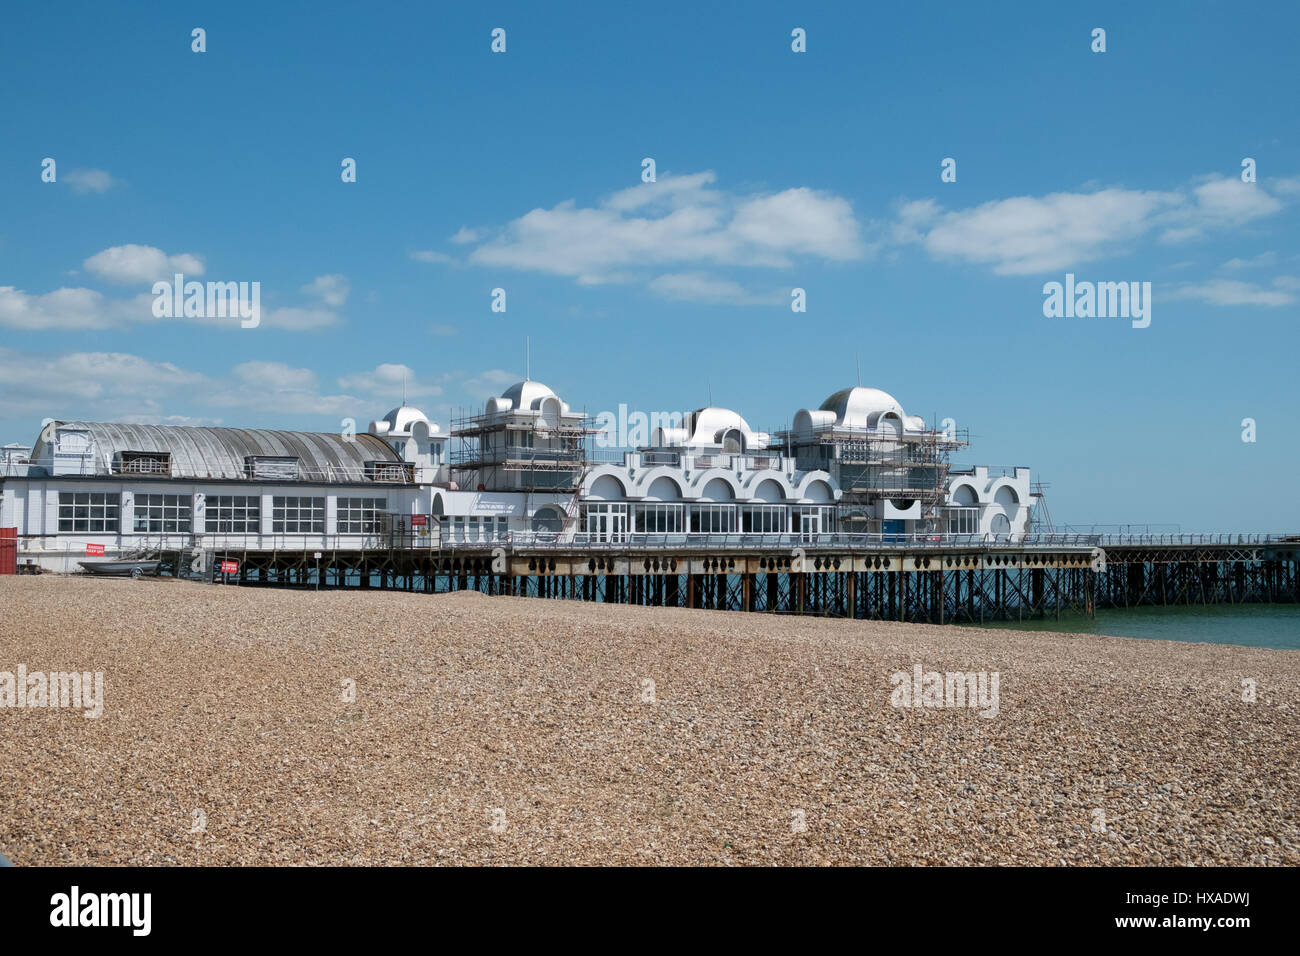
858	541
787	540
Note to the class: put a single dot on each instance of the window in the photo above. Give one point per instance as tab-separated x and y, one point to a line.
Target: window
713	519
361	515
399	471
548	520
963	520
291	515
607	522
275	468
162	513
145	463
811	520
88	511
234	514
762	519
657	518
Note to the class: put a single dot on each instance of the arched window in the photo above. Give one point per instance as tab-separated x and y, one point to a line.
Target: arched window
547	520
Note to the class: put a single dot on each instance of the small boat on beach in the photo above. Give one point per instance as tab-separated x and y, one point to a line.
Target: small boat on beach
128	568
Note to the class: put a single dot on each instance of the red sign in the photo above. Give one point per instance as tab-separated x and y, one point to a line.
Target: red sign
229	567
419	521
97	549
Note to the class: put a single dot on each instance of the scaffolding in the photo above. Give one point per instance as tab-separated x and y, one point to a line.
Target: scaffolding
870	466
505	452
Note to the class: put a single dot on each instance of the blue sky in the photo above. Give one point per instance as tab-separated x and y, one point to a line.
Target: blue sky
818	170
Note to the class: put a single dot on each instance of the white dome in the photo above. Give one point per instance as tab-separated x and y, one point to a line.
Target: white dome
402	419
861	407
713	426
527	395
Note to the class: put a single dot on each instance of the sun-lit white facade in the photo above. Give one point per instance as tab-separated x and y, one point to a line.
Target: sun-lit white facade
857	465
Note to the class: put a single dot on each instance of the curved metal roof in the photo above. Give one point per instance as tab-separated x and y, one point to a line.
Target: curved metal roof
208	452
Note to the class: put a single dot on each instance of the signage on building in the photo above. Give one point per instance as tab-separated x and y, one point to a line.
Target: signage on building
419	521
229	567
96	549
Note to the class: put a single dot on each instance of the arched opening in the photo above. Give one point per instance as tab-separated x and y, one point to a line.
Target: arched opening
551	409
607	488
818	491
964	496
718	489
733	442
890	424
663	488
548	520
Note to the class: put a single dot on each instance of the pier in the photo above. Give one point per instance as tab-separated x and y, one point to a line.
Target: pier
934	580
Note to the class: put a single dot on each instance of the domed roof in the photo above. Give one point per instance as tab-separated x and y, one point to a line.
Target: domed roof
527	395
710	421
401	419
859	407
710	426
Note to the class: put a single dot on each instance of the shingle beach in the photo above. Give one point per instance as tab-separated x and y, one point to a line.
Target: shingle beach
491	730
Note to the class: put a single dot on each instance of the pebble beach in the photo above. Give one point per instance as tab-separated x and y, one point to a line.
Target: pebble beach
246	726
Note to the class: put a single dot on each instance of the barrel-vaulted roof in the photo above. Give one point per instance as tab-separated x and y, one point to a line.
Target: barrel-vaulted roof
212	452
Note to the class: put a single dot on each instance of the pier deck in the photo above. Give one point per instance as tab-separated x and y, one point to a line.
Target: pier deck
938	580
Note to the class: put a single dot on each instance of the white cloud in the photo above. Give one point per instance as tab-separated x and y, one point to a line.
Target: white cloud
1263	259
1220	203
66	309
88	180
293	319
89	385
388	381
486	384
1036	234
678	220
1029	234
278	389
331	289
670	192
58	310
117	386
1234	292
800	221
134	264
464	235
701	287
429	255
